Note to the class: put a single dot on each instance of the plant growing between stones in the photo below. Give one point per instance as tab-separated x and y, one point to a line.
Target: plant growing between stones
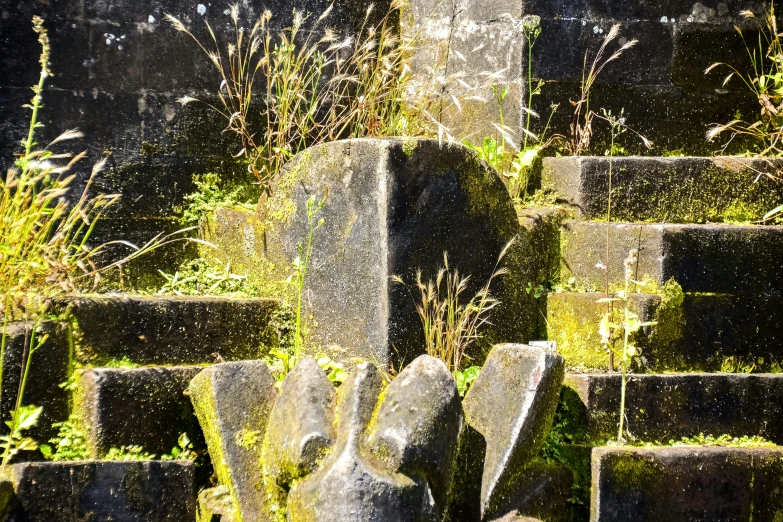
582	121
627	326
318	86
212	193
765	83
450	326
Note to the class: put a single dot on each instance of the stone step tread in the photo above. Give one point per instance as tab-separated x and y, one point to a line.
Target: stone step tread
685	484
145	406
674	189
664	407
701	258
171	329
694	332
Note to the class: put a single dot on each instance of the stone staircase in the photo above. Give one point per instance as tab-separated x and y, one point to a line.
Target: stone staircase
127	361
721	316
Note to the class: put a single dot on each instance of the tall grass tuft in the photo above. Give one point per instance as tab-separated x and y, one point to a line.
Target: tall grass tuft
451	325
582	121
310	85
45	230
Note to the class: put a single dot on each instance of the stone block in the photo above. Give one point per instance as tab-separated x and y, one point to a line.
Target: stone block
49	367
561	58
664	407
122	491
394	207
685	484
698	46
697	334
233	402
171	330
138	406
511	405
701	258
671	190
542	492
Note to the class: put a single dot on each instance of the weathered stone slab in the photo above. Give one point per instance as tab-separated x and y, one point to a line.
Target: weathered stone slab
49	367
701	258
393	207
233	402
672	190
511	404
140	491
697	334
671	406
171	330
685	484
138	406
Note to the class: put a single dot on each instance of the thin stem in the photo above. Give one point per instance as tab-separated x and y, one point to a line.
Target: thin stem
608	230
626	334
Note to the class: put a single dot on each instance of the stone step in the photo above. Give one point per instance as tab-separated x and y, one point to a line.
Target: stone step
144	406
695	332
121	491
171	330
701	258
664	407
686	483
672	190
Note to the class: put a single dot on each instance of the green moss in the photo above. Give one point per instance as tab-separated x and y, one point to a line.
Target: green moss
634	470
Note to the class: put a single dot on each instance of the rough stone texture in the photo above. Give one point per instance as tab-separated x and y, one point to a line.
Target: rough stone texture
233	402
672	190
141	491
390	461
49	367
511	404
139	406
295	442
394	207
541	492
419	415
696	335
671	406
701	258
171	330
660	82
686	484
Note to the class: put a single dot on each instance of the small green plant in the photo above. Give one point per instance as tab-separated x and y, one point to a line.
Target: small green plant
465	378
627	326
203	277
728	441
212	194
22	419
130	452
733	364
300	265
69	444
182	451
451	326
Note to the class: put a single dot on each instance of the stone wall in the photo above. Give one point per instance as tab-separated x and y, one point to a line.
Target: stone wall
118	69
660	82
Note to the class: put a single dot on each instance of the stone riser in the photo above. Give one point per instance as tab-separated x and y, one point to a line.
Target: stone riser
668	407
697	335
143	491
171	330
145	407
668	190
686	484
701	258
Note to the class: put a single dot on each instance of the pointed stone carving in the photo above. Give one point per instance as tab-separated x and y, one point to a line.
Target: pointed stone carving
511	404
